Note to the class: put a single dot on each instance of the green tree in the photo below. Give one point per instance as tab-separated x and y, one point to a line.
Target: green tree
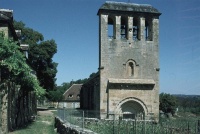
40	55
168	103
55	96
92	75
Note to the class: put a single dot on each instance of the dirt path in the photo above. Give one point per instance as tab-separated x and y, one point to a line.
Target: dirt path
45	112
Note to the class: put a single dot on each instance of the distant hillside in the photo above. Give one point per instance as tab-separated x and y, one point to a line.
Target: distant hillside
188	103
186	96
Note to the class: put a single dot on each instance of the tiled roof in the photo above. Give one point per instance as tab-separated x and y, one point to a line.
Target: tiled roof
73	93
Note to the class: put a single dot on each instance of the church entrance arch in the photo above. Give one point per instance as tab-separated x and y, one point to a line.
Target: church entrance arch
132	108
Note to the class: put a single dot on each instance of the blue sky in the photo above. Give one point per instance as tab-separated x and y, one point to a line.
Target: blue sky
73	24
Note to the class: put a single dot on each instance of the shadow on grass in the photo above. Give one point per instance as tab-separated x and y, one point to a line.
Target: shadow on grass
43	124
27	126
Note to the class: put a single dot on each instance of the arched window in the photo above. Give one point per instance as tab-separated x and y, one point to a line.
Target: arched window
131	69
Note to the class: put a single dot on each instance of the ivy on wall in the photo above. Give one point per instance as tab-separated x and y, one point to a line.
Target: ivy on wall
13	66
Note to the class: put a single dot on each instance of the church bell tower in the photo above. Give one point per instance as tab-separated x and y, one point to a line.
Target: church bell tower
129	59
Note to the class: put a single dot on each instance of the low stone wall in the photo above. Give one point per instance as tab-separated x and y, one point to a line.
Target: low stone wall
67	128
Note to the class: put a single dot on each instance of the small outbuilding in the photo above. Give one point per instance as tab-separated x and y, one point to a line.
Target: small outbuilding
71	97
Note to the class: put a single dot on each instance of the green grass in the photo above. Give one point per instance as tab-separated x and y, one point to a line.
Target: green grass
44	124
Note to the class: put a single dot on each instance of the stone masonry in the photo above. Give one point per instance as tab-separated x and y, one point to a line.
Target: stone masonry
127	83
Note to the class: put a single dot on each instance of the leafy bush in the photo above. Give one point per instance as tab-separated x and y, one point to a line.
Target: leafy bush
168	103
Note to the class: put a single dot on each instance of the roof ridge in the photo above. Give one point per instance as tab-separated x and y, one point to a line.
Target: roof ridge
125	3
6	10
110	6
70	88
76	84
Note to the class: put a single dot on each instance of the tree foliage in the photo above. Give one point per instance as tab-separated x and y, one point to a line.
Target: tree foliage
40	55
14	68
189	103
168	103
56	95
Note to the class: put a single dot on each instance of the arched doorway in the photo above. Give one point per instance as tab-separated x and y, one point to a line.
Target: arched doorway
132	108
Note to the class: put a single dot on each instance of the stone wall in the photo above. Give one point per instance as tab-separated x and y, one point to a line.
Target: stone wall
17	107
66	128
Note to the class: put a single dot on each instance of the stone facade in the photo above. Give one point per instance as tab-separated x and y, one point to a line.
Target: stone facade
128	77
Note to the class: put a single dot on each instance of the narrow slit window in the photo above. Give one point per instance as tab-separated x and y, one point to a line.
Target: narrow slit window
131	69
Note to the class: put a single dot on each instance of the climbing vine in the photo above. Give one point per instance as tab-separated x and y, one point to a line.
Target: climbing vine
13	66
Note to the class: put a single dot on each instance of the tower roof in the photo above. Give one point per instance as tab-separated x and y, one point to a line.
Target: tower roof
127	7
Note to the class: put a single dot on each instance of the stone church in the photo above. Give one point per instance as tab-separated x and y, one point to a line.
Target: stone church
127	83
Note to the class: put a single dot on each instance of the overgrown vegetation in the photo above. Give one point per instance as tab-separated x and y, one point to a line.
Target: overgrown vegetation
182	124
14	67
140	127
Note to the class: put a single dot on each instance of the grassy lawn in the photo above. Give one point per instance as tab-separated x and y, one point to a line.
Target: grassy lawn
44	124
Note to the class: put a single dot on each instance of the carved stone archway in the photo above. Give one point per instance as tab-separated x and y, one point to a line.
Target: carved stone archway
131	108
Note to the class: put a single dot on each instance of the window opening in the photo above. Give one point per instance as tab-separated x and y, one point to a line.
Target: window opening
135	32
70	95
135	29
146	31
123	28
110	28
130	69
